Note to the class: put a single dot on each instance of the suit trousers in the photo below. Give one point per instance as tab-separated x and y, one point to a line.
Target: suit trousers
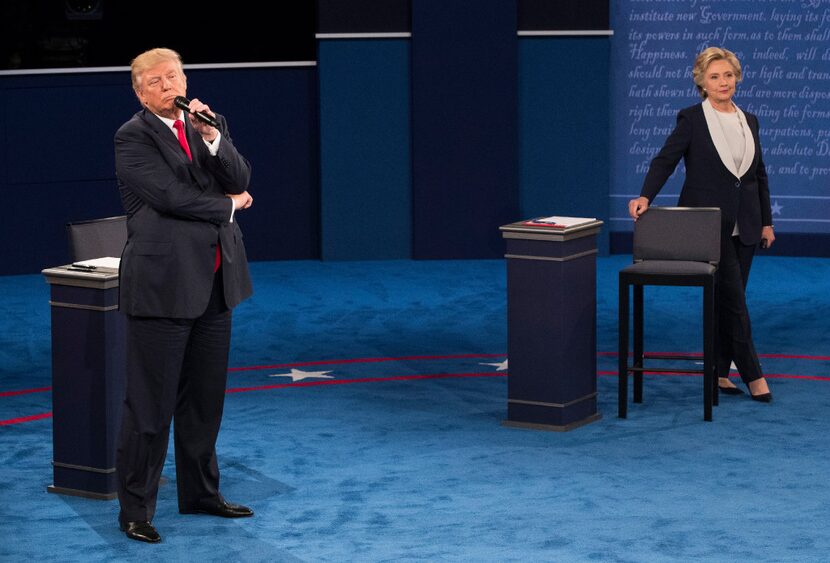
734	328
176	371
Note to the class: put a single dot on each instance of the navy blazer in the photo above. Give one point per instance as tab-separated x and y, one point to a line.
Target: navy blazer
177	211
709	181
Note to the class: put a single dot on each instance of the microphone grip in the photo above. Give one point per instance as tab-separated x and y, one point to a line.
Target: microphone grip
183	103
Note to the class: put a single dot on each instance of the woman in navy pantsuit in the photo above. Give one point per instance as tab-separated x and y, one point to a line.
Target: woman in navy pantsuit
724	168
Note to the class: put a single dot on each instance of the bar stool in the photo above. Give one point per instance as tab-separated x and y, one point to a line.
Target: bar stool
673	246
97	238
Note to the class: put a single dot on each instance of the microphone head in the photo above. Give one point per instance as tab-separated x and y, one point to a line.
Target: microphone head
182	103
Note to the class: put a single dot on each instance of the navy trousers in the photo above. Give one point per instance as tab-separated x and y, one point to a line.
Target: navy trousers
734	328
176	371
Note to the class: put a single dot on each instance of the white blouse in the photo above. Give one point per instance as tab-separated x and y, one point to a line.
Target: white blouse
733	131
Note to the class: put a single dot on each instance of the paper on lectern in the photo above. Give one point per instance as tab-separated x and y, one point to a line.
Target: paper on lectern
562	222
105	262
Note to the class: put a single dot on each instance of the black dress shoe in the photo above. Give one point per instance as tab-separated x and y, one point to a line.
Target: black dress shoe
141	531
220	508
730	390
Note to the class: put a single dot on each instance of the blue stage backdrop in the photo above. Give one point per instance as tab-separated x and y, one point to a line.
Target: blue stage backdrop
464	127
784	49
57	162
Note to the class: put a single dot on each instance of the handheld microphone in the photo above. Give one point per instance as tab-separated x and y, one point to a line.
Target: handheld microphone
183	103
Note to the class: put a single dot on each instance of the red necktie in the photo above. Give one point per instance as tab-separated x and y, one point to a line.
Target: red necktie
179	126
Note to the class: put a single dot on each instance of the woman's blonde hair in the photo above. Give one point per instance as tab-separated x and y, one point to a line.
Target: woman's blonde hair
149	59
707	57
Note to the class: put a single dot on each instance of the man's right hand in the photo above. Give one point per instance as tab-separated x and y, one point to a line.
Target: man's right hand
637	207
241	201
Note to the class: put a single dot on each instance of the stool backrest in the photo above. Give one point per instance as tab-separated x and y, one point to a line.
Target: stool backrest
97	238
678	233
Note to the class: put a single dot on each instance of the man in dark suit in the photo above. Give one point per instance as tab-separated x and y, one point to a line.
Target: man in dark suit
182	271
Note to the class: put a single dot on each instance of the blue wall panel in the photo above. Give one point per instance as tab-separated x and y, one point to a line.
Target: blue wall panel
464	125
564	128
365	149
273	117
57	161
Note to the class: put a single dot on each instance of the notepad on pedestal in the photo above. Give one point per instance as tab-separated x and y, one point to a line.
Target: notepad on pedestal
559	222
104	264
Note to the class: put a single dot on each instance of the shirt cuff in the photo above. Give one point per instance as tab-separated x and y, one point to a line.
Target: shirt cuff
233	210
213	147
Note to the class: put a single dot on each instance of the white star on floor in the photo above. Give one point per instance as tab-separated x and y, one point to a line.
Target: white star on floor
501	366
298	374
776	209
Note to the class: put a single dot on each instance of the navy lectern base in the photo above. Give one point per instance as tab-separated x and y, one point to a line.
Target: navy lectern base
88	378
551	325
81	493
551	427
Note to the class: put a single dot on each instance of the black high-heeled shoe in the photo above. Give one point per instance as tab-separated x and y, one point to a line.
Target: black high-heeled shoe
762	398
729	390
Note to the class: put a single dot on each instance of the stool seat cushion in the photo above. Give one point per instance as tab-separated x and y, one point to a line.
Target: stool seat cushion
670	267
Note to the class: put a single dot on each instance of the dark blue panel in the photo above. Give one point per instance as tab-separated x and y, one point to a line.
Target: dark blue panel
564	128
57	164
365	151
273	119
33	233
563	14
464	125
362	16
59	128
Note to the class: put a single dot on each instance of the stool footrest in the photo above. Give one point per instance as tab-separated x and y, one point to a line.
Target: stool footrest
652	356
663	370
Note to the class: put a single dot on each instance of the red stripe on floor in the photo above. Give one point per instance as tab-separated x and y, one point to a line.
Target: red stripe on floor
34	417
20	419
24	391
461	357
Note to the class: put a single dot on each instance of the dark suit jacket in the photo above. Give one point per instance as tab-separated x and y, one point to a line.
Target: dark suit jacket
177	211
709	182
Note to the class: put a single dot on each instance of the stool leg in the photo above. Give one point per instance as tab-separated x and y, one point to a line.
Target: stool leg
716	347
638	343
622	352
708	350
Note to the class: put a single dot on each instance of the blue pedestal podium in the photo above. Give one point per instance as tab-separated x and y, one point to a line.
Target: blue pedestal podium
551	322
88	379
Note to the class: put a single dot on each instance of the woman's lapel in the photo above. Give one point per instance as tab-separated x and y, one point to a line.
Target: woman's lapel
749	146
718	138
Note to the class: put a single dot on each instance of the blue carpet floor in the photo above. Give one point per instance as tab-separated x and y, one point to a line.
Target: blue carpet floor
363	419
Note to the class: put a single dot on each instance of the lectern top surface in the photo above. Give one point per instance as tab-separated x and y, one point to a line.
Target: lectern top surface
102	278
530	228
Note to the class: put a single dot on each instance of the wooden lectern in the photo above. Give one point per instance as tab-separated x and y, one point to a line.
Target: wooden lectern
88	379
551	323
